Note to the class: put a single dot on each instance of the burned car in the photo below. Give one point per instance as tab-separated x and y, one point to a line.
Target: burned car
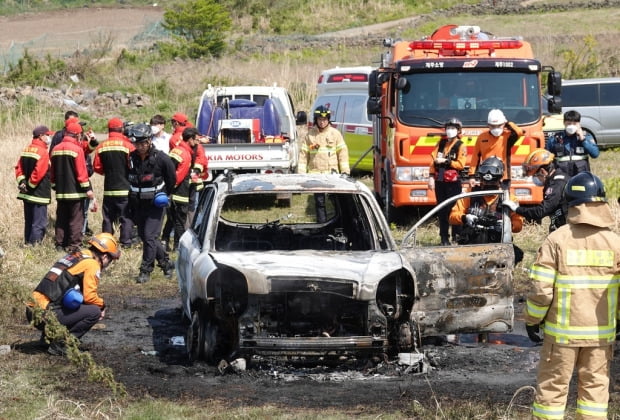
305	265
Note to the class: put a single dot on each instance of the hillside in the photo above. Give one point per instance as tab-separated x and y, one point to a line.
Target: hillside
291	60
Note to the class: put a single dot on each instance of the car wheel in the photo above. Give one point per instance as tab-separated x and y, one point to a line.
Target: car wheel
220	339
195	339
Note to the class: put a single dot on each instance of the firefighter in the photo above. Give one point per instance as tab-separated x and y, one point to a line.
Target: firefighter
574	300
33	182
70	180
151	178
574	146
496	141
481	217
541	167
183	157
324	149
449	159
111	161
70	288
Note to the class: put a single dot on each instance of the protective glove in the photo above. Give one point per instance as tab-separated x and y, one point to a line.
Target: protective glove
515	132
22	187
431	183
471	219
510	204
532	332
440	160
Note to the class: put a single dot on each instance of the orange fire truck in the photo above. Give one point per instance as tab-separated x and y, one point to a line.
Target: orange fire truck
458	72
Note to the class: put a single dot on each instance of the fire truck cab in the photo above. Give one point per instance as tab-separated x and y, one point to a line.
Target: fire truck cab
458	72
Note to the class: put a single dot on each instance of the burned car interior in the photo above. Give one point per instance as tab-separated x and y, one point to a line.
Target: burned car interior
320	221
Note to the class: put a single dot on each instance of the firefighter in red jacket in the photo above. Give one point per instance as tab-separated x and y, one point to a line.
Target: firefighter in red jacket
70	288
33	182
112	161
574	300
179	123
70	180
183	157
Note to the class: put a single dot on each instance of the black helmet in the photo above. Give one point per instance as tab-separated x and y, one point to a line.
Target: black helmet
322	111
454	122
584	187
139	132
491	169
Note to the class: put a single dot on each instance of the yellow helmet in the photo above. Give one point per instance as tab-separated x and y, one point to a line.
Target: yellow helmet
107	244
537	159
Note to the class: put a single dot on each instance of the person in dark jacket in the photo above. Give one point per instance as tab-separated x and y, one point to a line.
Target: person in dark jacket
112	161
574	147
151	177
541	167
33	182
70	180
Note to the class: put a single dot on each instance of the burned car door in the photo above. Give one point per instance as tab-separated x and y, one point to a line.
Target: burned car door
461	288
190	248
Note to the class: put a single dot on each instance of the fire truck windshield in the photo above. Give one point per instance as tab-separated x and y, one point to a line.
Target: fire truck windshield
429	98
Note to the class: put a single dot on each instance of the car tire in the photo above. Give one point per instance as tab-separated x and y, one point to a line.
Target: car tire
195	339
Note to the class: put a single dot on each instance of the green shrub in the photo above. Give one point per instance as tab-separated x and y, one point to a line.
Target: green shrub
199	28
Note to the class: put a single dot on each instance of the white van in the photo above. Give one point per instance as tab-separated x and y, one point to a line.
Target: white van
598	102
344	90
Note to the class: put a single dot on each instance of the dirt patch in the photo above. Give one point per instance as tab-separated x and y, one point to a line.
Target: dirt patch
65	31
140	337
139	342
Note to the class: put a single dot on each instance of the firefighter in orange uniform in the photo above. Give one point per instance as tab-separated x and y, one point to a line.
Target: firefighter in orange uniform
70	288
482	217
449	159
574	300
496	141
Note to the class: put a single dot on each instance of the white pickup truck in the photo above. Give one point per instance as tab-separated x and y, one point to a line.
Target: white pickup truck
250	129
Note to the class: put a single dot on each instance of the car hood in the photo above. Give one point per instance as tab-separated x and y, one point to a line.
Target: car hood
365	268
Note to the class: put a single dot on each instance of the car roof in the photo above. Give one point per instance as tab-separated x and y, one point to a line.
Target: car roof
291	182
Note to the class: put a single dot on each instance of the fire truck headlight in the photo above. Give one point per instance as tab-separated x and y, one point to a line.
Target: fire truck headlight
411	173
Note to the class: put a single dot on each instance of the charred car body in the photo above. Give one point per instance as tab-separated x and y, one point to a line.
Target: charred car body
305	265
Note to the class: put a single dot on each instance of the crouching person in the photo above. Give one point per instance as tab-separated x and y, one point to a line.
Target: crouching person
70	289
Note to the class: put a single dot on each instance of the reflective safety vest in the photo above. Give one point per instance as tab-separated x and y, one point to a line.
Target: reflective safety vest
58	279
575	283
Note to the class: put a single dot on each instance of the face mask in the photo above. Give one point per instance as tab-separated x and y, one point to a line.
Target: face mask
47	139
497	131
451	132
155	129
571	129
538	182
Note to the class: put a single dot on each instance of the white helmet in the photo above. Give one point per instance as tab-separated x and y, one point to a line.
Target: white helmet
496	117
